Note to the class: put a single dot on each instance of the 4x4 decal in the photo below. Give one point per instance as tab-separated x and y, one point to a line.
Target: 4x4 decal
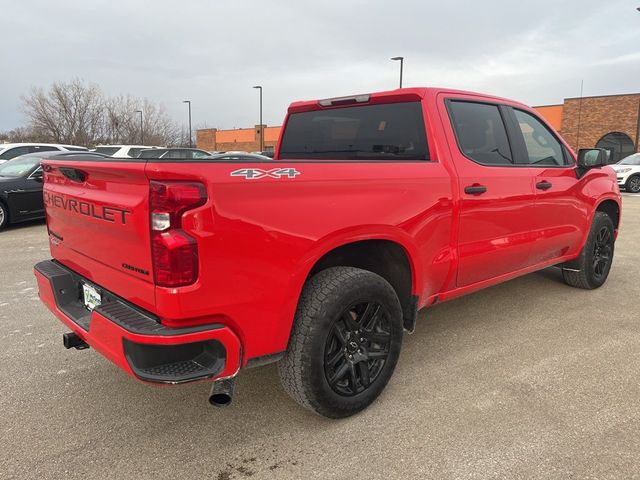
255	173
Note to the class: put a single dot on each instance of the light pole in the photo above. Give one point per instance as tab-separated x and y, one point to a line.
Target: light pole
189	102
401	65
141	128
259	87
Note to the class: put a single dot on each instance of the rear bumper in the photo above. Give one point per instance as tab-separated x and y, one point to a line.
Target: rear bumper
133	339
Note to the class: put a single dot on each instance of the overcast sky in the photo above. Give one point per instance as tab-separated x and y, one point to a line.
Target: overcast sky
213	52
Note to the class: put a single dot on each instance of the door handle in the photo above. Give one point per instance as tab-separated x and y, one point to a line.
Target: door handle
544	185
475	189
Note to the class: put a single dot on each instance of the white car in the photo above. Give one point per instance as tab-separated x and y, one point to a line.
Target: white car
628	173
121	151
12	150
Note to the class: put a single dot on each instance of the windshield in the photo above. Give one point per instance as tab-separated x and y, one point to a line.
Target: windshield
17	167
392	131
107	150
630	160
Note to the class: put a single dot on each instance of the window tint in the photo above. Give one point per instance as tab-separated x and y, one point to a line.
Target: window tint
14	152
542	147
134	152
177	154
107	150
393	131
151	153
42	148
198	154
481	132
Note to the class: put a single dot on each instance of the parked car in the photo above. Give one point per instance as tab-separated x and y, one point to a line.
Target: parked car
12	150
21	185
266	153
628	173
121	151
174	153
241	157
375	206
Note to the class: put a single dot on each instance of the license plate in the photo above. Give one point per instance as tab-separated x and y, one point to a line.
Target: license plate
92	297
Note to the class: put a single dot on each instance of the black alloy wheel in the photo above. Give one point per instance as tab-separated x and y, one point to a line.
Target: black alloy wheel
357	348
345	341
602	252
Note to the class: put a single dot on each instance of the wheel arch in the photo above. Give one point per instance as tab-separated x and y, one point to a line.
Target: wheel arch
392	260
5	204
612	209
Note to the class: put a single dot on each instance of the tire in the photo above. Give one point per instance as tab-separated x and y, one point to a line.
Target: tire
633	184
4	216
345	342
596	257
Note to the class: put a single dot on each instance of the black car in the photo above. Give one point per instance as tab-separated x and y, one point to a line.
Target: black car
174	153
21	185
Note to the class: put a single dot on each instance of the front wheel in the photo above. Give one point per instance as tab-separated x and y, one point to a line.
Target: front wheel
596	257
633	184
4	216
345	342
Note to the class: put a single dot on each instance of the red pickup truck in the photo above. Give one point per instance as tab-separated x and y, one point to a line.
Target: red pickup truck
375	206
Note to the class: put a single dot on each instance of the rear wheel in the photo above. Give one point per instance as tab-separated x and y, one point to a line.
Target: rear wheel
345	342
4	216
594	262
633	184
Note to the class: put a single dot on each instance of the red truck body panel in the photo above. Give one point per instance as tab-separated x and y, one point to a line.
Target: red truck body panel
259	239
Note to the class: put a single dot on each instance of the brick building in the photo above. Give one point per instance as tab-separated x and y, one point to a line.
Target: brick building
607	121
242	139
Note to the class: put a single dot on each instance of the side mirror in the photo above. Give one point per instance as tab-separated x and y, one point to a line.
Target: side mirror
592	157
37	175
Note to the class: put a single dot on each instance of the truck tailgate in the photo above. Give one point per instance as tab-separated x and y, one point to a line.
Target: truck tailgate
98	222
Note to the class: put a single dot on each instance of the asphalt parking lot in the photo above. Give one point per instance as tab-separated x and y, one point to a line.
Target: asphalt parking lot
528	379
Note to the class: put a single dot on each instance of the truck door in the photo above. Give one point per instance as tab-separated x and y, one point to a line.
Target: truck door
496	196
560	217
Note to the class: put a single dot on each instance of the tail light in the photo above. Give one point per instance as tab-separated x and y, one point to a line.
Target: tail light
175	253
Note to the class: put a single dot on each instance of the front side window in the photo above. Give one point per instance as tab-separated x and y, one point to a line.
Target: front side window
480	132
393	131
543	148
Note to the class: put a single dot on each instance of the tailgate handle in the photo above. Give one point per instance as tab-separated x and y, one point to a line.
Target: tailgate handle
74	174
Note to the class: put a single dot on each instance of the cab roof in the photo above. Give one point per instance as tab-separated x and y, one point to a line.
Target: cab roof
413	94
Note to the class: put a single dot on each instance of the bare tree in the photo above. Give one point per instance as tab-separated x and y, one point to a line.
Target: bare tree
66	113
21	134
79	113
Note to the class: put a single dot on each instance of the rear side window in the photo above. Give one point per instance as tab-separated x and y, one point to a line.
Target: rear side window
543	148
42	148
393	131
480	132
153	153
107	150
134	152
14	152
